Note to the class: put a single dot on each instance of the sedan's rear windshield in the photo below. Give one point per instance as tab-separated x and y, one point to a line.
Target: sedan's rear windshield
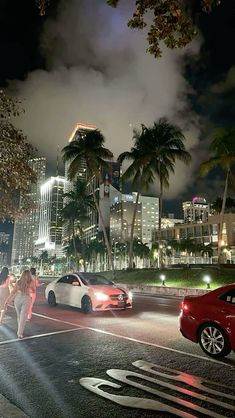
93	280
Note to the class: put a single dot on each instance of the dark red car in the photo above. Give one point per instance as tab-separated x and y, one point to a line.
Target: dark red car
210	320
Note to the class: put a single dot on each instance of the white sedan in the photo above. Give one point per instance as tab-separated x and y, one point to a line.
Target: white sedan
88	291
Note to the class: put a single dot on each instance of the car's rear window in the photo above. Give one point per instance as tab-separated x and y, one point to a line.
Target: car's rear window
94	280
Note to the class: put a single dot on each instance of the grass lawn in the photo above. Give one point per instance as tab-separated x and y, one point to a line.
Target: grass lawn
185	277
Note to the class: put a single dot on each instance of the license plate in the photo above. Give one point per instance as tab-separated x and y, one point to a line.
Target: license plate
121	304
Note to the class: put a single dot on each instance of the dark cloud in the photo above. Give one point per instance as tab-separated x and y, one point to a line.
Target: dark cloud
98	72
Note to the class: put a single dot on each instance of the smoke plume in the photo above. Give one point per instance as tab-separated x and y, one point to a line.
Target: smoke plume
98	72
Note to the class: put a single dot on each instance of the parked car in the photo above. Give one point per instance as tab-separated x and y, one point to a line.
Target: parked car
210	320
88	291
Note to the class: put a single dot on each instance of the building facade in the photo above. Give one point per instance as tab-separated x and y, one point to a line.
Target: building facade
78	133
196	211
50	220
26	228
205	233
4	248
106	187
121	215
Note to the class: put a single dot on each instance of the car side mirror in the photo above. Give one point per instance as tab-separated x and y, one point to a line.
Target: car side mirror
75	284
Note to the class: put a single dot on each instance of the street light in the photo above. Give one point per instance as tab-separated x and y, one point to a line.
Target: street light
207	280
163	279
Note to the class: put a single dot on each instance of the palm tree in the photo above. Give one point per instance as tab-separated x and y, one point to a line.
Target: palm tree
44	259
75	212
207	250
154	155
95	253
165	145
223	149
229	205
139	176
35	260
141	250
73	249
189	246
90	149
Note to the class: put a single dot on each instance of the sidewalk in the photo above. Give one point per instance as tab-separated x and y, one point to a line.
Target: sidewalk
8	410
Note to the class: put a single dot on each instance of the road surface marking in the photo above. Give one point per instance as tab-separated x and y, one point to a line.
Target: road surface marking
31	337
124	376
189	379
94	385
175	380
135	340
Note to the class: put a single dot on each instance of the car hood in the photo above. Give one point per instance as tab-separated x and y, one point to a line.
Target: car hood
108	290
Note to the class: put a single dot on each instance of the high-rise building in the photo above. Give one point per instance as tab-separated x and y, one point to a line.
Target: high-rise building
78	133
4	248
105	188
26	227
6	237
196	211
146	221
50	221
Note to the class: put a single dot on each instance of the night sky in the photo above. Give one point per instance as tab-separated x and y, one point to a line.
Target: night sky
80	63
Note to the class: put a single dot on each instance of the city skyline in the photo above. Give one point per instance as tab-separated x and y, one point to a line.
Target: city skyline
113	82
117	207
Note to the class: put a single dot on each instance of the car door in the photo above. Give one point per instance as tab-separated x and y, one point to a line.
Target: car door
62	289
76	291
228	310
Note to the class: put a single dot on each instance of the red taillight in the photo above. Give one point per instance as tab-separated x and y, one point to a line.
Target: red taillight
184	307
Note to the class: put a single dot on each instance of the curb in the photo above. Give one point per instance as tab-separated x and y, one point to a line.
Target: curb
163	291
9	410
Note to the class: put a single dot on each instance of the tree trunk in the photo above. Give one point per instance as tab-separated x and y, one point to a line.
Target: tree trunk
160	227
81	233
222	218
132	232
74	245
122	218
106	240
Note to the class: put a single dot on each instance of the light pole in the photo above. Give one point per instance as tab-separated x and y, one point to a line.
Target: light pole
160	255
168	254
207	280
163	279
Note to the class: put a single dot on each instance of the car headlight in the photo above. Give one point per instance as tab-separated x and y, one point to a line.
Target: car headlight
130	295
101	296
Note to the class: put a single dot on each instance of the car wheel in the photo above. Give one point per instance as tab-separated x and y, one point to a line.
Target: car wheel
214	341
51	299
86	305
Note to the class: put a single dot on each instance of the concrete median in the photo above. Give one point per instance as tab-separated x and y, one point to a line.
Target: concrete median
164	290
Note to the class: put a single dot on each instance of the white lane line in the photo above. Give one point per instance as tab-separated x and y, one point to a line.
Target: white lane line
58	320
40	335
137	341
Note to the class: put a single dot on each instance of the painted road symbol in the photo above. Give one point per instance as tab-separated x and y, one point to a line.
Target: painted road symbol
189	391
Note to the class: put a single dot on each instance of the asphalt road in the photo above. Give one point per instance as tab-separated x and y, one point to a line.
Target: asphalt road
69	365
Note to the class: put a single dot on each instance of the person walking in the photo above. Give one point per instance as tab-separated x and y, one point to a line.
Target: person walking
22	291
4	290
33	292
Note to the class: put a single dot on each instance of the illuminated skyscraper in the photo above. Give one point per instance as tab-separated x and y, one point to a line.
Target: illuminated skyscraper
50	222
78	133
26	228
106	186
